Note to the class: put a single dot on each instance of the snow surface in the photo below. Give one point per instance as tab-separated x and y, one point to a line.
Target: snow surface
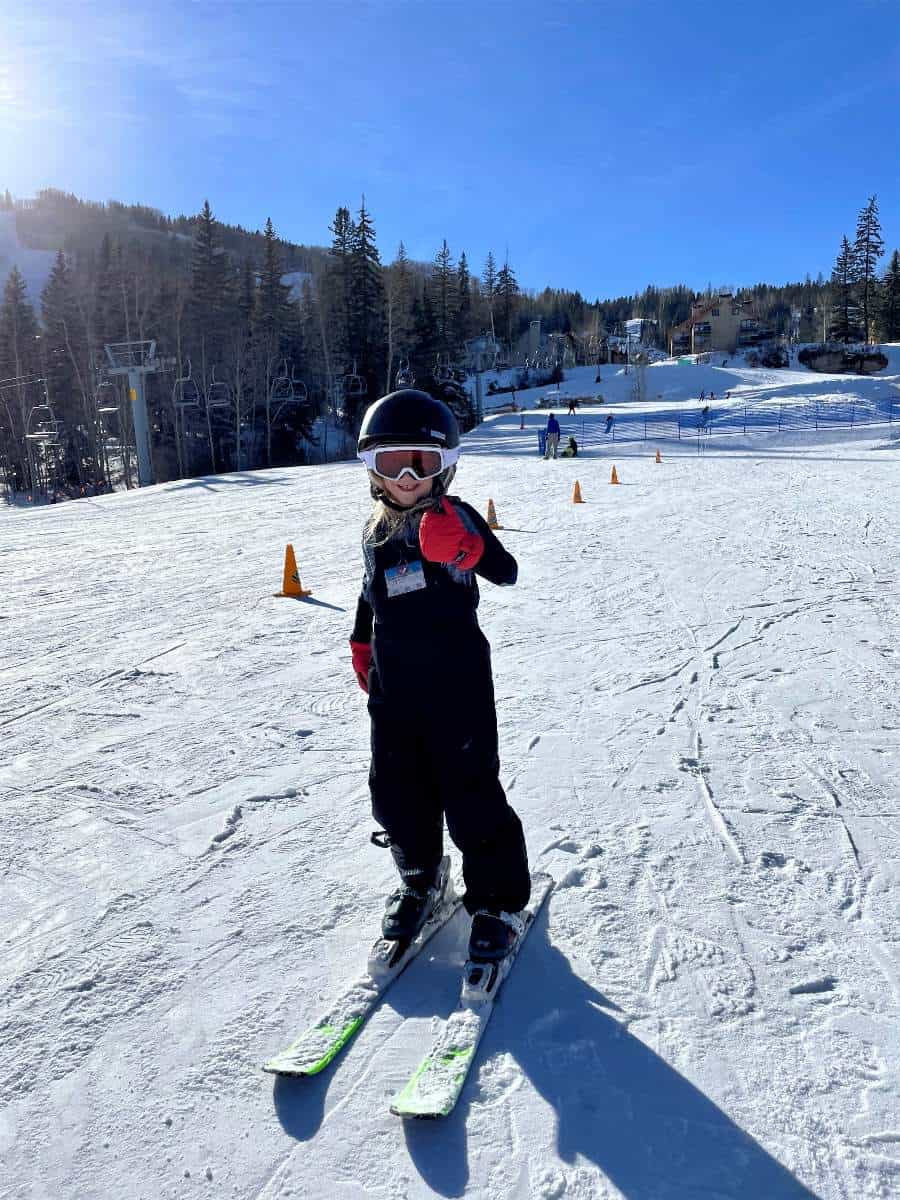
699	715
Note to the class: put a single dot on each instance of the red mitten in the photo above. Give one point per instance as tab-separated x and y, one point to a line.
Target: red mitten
362	659
445	539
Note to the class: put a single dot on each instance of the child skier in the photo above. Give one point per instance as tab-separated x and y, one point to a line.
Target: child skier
420	655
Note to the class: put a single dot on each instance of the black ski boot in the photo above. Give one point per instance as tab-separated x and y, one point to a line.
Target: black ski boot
410	906
494	934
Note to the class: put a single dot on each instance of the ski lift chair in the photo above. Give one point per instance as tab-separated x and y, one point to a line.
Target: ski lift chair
283	385
355	385
185	393
405	377
442	368
107	405
42	425
219	395
338	393
107	400
301	392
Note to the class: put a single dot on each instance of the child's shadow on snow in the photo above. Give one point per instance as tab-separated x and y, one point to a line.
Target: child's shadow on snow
616	1103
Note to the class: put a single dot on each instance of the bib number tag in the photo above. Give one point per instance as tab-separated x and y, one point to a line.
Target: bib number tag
407	577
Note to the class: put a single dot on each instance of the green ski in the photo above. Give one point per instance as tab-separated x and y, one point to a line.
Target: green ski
323	1041
435	1087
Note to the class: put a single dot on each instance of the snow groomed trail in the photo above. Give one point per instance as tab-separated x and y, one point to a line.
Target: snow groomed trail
697	685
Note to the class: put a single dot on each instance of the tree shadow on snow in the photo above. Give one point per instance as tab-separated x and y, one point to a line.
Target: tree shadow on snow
212	483
617	1104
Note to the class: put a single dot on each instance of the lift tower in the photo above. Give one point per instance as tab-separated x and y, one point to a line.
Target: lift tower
136	360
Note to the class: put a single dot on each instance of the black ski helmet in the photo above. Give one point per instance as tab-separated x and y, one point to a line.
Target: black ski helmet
408	418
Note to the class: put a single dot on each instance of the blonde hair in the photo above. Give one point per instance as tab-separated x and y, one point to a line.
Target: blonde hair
386	522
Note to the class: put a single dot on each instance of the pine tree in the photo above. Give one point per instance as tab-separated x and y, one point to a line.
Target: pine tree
868	248
19	359
239	358
246	300
19	352
398	311
109	318
507	292
368	305
443	296
271	320
463	320
489	279
889	311
211	313
66	371
425	334
271	314
339	288
844	279
210	297
489	291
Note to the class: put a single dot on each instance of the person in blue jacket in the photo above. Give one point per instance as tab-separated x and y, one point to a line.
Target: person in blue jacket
552	437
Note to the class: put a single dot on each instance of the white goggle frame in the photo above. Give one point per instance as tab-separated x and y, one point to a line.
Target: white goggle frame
447	458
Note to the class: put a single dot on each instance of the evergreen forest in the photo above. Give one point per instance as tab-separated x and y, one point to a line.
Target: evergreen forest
267	353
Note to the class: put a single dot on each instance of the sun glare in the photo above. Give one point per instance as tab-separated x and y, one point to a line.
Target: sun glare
13	104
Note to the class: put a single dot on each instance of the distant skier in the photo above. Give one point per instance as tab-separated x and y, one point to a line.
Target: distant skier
419	654
572	406
552	437
609	421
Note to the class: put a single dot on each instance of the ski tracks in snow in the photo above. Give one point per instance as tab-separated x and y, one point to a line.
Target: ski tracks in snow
699	725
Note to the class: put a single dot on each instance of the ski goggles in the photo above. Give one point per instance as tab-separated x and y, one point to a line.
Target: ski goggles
422	462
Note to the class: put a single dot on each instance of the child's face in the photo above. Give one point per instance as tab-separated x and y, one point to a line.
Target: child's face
406	490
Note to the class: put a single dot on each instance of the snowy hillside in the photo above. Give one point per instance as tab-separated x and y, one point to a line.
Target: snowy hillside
34	265
681	383
697	686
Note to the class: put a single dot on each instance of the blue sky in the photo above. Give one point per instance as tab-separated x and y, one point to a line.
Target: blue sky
604	146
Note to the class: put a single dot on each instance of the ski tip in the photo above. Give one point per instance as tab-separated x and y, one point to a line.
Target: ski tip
286	1070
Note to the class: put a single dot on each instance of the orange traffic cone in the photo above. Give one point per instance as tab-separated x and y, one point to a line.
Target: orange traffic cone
658	456
291	585
615	478
576	493
492	521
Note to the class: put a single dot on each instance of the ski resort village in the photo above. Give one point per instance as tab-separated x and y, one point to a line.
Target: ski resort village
449	685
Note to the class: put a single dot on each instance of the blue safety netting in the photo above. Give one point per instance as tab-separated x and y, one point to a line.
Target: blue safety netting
678	425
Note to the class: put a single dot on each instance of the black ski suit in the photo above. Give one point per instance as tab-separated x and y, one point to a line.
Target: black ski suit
434	726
